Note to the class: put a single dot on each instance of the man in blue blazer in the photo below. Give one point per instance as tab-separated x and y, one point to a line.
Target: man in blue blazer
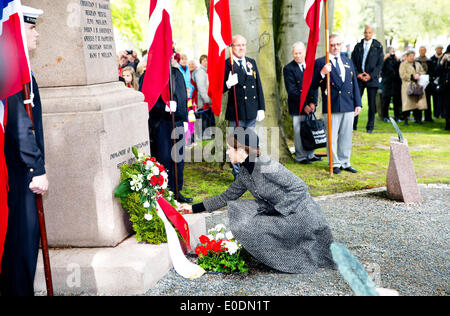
293	80
345	101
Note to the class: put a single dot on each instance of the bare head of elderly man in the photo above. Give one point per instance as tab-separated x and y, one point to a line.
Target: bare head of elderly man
299	52
239	46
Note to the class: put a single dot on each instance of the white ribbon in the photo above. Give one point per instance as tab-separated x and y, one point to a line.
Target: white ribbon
181	264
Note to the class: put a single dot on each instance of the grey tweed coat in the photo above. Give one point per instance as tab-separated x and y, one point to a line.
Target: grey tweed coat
282	227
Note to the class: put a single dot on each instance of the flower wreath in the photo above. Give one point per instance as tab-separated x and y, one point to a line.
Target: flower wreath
142	183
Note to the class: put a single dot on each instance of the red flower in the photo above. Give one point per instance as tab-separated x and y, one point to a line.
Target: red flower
161	168
160	180
204	239
201	250
154	181
153	160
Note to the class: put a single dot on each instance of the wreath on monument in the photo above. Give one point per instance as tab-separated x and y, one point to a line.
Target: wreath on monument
142	183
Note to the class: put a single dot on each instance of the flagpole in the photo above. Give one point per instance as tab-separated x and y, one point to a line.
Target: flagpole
173	130
234	87
327	51
40	209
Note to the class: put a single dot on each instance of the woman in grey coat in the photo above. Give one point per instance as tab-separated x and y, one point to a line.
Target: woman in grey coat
282	227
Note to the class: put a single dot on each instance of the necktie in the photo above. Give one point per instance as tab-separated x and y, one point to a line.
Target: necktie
241	65
366	52
338	68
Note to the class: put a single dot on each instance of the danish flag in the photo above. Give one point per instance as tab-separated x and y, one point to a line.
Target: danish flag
157	75
14	74
219	39
313	13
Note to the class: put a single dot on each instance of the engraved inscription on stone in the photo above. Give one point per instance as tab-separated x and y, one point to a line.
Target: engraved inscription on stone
97	30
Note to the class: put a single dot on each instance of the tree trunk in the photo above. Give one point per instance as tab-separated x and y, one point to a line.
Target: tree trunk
254	20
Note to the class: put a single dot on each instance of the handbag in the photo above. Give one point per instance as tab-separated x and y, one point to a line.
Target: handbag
313	133
414	89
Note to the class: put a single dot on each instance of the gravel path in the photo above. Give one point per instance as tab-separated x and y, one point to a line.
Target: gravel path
404	247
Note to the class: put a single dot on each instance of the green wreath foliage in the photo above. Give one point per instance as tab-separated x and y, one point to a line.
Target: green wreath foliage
148	231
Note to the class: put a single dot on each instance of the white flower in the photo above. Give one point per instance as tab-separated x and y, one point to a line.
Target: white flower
219	227
140	156
211	237
231	246
229	235
155	171
212	230
164	186
148	217
165	175
220	236
146	204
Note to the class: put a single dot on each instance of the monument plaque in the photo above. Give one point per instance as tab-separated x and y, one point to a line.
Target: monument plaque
78	41
91	122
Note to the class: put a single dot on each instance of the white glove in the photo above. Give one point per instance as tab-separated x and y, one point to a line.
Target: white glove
232	80
260	116
39	184
186	126
172	108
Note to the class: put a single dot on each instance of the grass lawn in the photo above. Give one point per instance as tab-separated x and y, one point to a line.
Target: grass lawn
429	146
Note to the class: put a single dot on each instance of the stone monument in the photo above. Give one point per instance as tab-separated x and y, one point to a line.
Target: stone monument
91	122
401	180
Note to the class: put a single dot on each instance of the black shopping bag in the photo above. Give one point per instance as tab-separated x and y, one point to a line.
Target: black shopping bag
313	133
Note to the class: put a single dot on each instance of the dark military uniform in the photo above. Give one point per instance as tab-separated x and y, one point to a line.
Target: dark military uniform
160	128
249	92
24	152
345	96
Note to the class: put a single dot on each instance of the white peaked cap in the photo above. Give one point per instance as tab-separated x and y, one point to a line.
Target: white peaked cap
30	14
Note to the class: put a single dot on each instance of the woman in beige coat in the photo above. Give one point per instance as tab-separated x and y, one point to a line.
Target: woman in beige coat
410	71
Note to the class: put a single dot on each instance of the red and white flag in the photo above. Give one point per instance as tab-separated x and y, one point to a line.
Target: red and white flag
14	74
220	38
3	182
313	13
156	80
14	63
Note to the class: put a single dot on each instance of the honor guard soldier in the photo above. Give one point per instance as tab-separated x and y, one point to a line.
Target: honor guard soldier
244	86
161	132
24	153
345	101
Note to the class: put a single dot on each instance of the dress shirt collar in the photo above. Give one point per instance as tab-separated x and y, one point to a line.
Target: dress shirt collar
368	42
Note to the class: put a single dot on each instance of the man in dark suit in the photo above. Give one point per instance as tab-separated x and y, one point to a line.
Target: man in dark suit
293	80
345	101
249	92
368	58
428	67
392	86
25	160
435	59
162	133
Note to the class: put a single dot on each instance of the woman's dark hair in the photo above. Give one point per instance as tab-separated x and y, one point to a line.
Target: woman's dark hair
245	139
203	57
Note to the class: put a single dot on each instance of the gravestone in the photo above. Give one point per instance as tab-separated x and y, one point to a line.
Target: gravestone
91	122
401	180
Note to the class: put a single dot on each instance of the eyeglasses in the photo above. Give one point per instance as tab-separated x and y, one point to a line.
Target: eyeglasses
335	45
239	45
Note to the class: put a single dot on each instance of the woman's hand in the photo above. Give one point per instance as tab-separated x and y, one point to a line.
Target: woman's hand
416	76
186	209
